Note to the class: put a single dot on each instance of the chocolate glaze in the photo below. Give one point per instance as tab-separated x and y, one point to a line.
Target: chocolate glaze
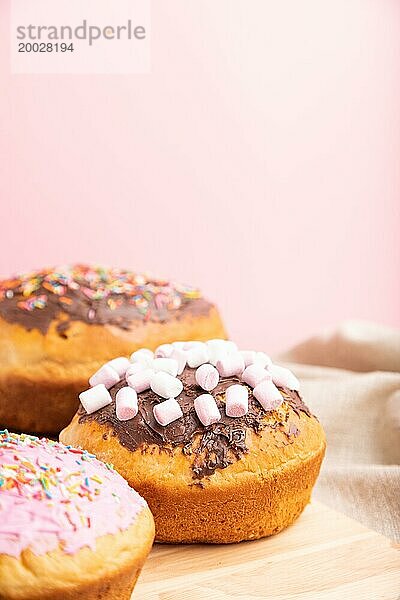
213	447
94	296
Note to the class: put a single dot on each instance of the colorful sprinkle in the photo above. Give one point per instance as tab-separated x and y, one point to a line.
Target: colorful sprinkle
114	287
36	478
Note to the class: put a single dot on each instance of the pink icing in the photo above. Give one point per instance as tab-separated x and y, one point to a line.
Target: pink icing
52	495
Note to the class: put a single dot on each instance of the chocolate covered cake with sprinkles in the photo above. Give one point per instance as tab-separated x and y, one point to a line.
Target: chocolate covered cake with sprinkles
218	441
70	526
58	325
94	295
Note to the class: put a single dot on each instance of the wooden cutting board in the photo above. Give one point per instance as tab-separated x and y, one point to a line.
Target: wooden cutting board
323	556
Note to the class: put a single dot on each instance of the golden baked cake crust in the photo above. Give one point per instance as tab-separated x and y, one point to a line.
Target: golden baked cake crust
111	572
239	478
57	326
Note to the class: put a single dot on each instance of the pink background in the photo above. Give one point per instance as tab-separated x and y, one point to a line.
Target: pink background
258	160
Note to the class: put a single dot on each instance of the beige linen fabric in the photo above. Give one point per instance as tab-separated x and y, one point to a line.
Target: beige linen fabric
359	407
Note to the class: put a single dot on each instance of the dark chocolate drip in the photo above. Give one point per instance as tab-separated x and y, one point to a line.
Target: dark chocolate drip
213	447
94	296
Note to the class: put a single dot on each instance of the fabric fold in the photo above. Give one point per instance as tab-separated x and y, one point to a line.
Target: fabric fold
351	381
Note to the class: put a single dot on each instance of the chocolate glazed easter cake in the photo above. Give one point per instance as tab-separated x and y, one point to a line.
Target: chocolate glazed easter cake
59	325
219	442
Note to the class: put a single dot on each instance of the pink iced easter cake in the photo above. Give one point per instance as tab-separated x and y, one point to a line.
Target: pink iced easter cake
70	526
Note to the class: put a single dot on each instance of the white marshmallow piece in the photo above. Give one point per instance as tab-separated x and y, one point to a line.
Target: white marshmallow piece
254	374
231	347
164	351
126	404
263	359
198	355
217	343
284	378
268	395
232	364
206	409
95	398
135	368
168	411
168	365
219	349
106	375
236	400
179	345
143	355
120	365
165	385
140	381
180	356
192	344
207	377
217	354
249	357
260	358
